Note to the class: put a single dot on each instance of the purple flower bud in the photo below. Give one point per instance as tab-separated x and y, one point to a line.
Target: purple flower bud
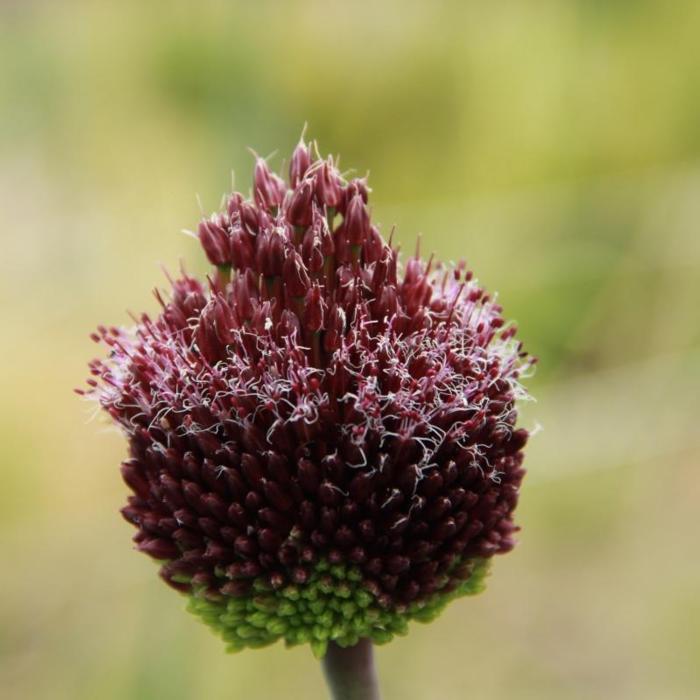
215	240
312	251
356	221
335	330
299	211
289	325
270	254
321	229
296	278
373	246
269	189
250	217
317	441
314	308
328	185
357	186
233	206
299	164
242	249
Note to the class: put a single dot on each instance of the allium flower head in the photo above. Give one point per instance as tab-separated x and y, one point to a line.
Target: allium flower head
323	443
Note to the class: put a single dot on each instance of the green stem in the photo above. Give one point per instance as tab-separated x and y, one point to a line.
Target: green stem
350	672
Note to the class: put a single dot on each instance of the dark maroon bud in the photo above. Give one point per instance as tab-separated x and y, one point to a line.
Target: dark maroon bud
517	440
318	539
361	486
187	539
335	330
356	221
217	552
397	564
193	496
242	250
307	514
269	540
287	555
342	245
132	475
216	242
289	326
373	247
314	309
216	506
437	508
329	516
445	529
233	206
323	232
245	546
300	575
261	320
335	556
357	555
367	531
185	517
276	496
328	185
308	475
242	297
250	217
159	548
299	210
328	494
252	471
299	164
269	257
253	502
356	186
431	484
380	272
374	566
296	278
268	188
278	467
275	519
312	251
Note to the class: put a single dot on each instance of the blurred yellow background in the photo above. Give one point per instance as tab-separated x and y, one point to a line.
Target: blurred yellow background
554	144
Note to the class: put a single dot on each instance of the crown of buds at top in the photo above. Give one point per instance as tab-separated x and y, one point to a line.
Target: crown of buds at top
322	446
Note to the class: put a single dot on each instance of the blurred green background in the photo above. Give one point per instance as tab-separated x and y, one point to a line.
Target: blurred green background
555	145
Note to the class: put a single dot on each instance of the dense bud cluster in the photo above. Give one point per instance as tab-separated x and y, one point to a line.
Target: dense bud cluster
323	445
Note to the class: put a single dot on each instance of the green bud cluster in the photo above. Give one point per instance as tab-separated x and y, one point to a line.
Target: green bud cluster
333	605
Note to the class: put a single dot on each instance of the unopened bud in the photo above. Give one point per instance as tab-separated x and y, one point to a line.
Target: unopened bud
270	254
312	252
373	246
299	164
242	249
335	329
354	187
356	221
289	325
296	278
269	189
215	241
314	308
299	211
328	185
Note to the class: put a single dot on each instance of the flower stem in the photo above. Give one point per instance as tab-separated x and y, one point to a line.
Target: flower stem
350	672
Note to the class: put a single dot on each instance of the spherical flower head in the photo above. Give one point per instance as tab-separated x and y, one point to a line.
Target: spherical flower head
323	443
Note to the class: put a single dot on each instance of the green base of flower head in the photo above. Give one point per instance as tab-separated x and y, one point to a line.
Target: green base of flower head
333	605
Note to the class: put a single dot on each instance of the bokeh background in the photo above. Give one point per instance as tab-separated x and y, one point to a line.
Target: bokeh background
554	144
